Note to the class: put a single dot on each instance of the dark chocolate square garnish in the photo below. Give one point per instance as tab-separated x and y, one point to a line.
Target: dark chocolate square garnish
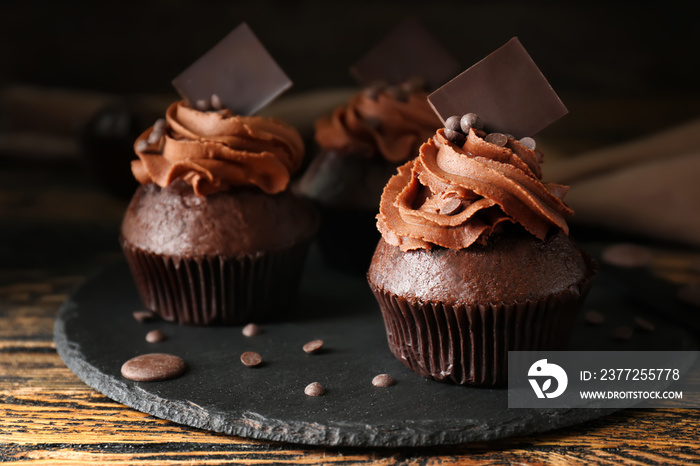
506	89
238	70
408	51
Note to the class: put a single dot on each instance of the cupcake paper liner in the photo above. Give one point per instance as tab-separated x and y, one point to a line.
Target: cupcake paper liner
218	289
469	344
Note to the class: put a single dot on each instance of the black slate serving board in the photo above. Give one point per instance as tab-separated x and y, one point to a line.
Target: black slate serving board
95	334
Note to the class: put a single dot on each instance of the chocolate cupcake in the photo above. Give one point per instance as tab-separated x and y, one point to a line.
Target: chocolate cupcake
359	147
475	258
213	235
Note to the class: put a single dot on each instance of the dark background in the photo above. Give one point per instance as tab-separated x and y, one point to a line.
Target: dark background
599	48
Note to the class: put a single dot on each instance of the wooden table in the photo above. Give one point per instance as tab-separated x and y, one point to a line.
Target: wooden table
57	228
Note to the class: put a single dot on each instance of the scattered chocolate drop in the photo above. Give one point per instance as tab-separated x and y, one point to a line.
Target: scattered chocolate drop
528	142
690	294
144	316
160	125
153	367
216	102
383	380
455	137
203	105
594	317
453	123
154	136
313	346
498	139
250	330
627	255
156	336
315	389
623	332
251	359
141	145
469	121
644	324
451	206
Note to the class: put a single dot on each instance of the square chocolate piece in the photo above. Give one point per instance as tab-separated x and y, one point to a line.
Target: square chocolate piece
506	89
238	70
408	51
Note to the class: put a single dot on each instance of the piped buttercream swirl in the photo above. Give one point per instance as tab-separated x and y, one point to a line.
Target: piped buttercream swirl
453	196
215	151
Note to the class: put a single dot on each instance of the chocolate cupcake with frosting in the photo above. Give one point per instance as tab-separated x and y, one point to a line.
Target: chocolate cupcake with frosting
213	235
475	258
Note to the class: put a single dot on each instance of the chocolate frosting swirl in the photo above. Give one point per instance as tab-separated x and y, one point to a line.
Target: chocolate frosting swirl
381	124
214	151
454	196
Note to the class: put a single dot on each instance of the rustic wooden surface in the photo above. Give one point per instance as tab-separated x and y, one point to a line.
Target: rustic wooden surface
57	228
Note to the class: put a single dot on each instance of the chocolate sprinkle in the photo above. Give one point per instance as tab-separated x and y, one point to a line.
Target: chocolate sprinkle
251	359
250	330
154	136
141	145
313	346
315	389
203	105
455	137
216	102
499	139
153	367
528	142
144	316
156	336
453	123
160	125
383	380
469	121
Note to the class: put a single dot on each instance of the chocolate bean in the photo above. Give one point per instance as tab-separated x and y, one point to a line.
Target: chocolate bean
154	136
470	120
251	330
141	145
397	93
455	137
594	317
160	125
156	336
623	332
313	346
451	206
203	105
383	380
216	102
315	389
498	139
644	324
153	367
528	142
251	359
144	316
627	255
453	123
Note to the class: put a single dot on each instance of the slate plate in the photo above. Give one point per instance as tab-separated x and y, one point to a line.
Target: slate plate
95	333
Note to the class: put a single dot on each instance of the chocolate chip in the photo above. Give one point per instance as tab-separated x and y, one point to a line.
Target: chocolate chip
160	125
141	145
154	136
251	359
315	389
455	137
451	206
144	316
623	332
156	336
251	330
528	142
690	294
153	367
594	317
397	93
498	139
383	380
216	102
313	346
470	120
453	123
644	324
627	255
203	105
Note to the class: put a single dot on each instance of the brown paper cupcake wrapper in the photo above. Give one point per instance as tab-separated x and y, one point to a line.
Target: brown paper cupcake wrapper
469	345
218	289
